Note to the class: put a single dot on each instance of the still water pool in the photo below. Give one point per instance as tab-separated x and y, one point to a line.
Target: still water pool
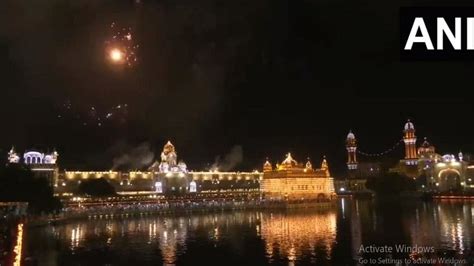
354	232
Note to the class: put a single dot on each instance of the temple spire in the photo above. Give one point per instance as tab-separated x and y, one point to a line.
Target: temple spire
267	166
309	166
325	166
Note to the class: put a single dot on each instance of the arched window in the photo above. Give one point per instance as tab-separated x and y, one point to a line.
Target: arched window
158	187
192	186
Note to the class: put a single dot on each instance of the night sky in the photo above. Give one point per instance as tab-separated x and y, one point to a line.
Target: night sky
268	76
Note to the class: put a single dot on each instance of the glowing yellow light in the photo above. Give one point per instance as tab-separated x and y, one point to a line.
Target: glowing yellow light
116	55
19	246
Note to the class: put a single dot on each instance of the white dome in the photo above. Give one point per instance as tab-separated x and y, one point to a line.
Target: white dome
449	158
350	135
48	159
33	157
182	166
409	125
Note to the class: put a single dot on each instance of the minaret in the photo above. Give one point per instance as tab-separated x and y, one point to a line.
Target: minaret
351	146
410	143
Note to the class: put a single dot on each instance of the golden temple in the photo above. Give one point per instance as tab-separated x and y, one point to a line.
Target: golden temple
291	180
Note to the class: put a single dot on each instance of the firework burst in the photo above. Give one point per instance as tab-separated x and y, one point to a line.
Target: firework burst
121	47
93	115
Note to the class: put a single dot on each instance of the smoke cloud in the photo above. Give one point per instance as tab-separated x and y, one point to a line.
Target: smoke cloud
135	158
230	161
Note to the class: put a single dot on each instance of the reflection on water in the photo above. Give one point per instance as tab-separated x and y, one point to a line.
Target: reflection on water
76	236
19	245
444	226
448	226
273	237
293	234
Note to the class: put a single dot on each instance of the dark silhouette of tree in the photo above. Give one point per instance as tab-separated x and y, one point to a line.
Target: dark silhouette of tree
99	187
18	183
391	184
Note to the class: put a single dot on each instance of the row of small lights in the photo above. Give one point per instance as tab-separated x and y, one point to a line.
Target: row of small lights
85	175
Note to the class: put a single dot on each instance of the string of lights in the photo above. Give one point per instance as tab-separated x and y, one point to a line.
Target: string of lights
387	151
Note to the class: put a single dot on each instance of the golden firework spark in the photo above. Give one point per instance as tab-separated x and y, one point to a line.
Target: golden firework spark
116	55
121	46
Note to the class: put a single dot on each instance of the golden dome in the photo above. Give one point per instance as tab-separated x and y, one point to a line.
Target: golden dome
426	149
289	161
324	164
168	147
267	166
309	166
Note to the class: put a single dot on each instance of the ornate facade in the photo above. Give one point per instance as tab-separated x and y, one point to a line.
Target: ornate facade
171	177
434	172
41	164
291	180
168	176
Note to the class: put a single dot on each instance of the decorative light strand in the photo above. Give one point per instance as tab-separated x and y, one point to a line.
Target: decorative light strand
387	151
19	246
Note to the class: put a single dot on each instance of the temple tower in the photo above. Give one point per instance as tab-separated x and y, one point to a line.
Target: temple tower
410	143
351	146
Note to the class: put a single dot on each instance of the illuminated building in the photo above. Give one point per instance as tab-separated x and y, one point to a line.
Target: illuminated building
435	172
223	182
174	178
41	164
166	177
147	182
291	180
171	177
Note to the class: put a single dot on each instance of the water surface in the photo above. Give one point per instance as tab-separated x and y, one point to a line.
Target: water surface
300	237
